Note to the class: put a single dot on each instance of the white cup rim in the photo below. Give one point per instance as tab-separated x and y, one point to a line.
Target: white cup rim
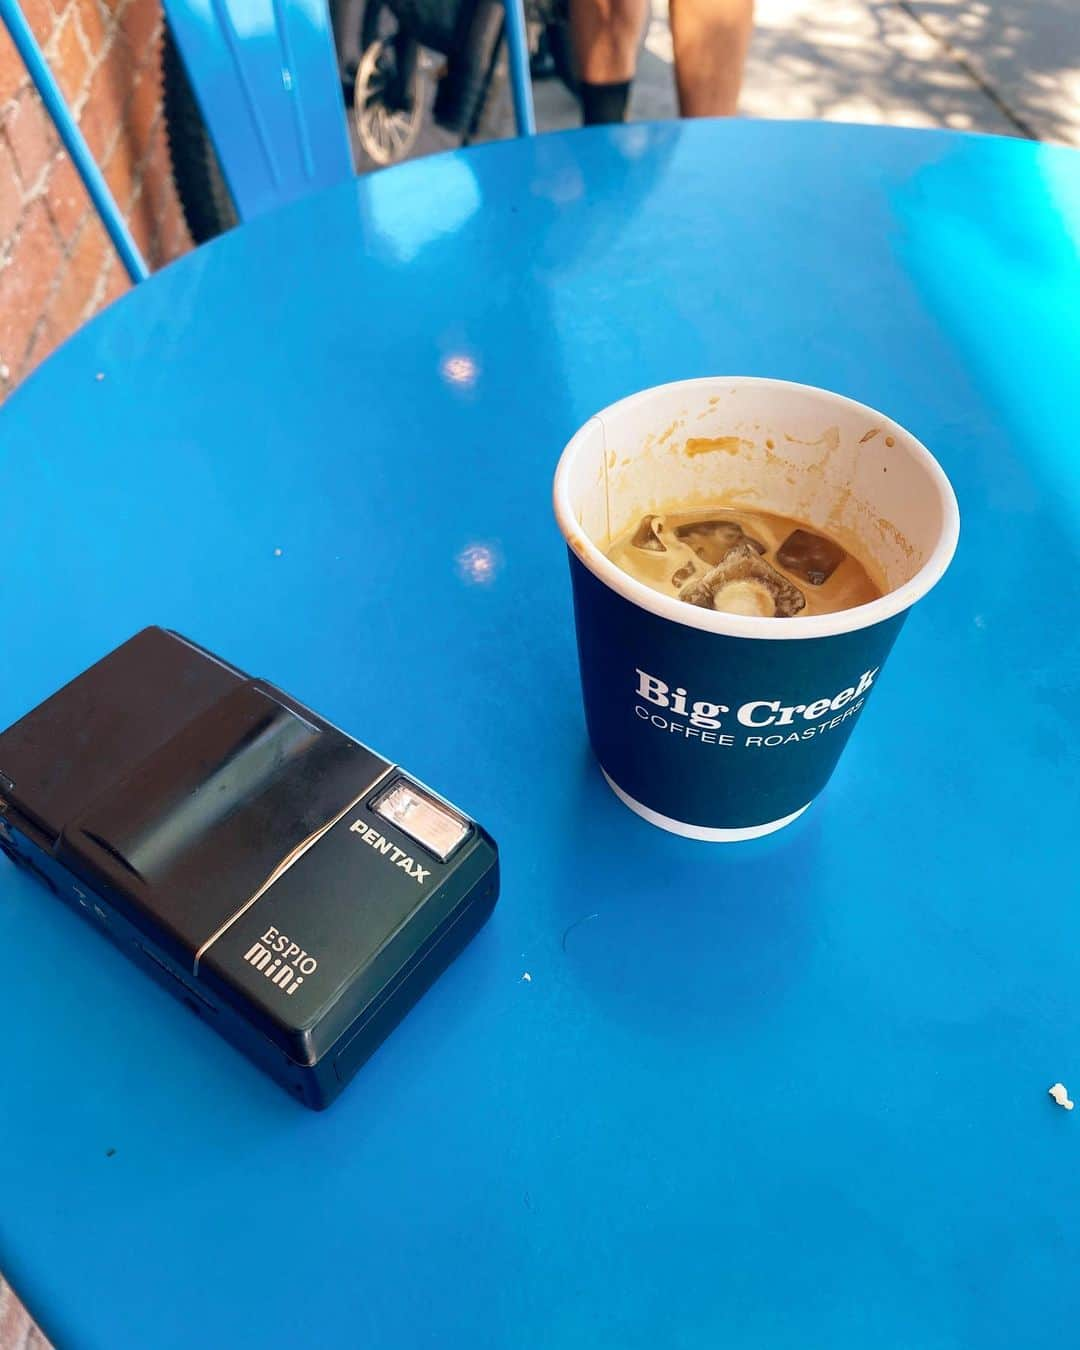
746	626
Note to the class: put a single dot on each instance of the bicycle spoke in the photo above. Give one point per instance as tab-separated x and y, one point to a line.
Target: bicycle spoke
380	127
387	123
386	133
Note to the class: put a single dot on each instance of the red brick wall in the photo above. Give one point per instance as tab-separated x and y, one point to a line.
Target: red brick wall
57	266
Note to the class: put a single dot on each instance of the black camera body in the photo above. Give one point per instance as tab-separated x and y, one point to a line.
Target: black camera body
295	889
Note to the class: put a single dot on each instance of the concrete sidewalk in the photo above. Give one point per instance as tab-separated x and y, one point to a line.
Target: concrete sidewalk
1005	66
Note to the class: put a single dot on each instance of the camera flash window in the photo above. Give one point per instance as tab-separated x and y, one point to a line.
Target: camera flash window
422	818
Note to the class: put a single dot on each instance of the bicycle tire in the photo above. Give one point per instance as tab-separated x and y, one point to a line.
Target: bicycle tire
200	184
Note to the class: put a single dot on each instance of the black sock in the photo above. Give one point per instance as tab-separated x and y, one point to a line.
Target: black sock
604	102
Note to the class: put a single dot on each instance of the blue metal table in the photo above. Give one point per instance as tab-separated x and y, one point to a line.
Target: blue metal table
791	1093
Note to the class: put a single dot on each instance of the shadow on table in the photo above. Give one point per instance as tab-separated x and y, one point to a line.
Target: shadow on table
680	937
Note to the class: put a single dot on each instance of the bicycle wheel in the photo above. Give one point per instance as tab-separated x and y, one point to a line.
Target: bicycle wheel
204	196
387	116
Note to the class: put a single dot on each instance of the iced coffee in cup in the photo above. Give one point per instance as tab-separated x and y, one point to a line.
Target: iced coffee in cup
743	553
744	562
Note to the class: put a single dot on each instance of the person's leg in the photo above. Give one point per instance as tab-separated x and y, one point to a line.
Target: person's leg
710	39
606	35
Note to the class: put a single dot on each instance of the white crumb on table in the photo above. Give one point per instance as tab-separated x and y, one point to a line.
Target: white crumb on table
526	978
1060	1094
99	376
278	552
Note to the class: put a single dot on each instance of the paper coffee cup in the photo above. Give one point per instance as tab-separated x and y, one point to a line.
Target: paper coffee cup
723	726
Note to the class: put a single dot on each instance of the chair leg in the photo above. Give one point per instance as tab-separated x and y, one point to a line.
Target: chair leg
517	42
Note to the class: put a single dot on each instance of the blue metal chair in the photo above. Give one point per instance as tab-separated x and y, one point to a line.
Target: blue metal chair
265	75
266	78
517	46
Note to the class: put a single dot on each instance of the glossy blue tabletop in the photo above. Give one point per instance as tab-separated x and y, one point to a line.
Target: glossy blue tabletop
783	1094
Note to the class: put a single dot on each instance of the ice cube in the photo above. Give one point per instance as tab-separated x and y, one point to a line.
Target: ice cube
712	540
647	534
745	597
744	583
683	574
810	556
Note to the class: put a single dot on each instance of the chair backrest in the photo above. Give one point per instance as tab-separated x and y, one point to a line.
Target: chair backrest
266	78
265	75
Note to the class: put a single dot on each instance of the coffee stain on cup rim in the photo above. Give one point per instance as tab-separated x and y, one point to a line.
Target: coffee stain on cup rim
829	438
707	445
578	544
856	535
